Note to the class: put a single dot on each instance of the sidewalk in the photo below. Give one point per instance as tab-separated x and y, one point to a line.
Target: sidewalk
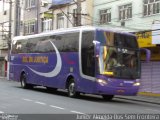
2	77
143	97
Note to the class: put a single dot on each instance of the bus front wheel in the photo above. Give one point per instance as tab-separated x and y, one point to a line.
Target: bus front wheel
71	89
108	97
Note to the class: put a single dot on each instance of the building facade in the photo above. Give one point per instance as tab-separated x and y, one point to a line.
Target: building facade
132	14
66	16
30	16
43	15
4	31
9	27
137	16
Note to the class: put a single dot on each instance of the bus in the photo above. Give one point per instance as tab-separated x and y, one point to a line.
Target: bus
87	60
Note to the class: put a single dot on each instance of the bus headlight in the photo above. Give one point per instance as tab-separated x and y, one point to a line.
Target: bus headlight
137	84
102	82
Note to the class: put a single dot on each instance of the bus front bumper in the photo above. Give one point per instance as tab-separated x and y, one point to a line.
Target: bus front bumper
117	90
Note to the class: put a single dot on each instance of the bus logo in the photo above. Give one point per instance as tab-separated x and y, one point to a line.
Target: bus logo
57	68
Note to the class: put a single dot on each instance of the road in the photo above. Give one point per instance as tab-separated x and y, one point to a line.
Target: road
15	100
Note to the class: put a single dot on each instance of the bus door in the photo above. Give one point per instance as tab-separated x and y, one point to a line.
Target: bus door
88	62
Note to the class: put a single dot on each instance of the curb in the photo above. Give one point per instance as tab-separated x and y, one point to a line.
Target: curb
138	100
2	77
149	94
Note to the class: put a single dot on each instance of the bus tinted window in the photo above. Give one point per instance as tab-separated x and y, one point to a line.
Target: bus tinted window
88	63
125	41
32	45
71	42
116	39
67	42
58	41
44	47
19	46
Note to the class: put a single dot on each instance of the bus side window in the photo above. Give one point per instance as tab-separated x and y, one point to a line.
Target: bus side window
58	42
19	47
44	47
71	42
14	48
32	45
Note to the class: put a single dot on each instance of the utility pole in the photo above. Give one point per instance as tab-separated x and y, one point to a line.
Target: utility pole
10	25
17	18
79	12
37	12
9	36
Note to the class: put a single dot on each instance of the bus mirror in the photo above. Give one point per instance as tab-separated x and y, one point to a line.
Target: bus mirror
97	47
148	53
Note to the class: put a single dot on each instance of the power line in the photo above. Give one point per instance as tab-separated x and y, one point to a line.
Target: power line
66	16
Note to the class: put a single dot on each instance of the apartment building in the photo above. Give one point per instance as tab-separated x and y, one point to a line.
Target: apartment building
3	42
45	15
137	16
66	16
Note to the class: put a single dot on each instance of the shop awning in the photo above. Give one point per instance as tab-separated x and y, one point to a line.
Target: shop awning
59	3
47	15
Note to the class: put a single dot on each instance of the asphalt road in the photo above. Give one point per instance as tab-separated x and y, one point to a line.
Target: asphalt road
15	100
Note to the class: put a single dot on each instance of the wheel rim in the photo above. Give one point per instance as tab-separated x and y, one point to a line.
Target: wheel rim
23	81
72	89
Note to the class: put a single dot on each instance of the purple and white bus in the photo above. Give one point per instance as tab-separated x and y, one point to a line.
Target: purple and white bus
82	60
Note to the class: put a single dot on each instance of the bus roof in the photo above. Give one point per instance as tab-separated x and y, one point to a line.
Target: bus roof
74	29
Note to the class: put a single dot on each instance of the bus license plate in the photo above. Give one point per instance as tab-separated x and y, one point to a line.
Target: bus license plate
120	91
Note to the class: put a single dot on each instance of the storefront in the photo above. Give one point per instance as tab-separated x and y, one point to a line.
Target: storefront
3	67
150	79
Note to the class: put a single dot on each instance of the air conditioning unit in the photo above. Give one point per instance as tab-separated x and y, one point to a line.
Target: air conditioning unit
43	3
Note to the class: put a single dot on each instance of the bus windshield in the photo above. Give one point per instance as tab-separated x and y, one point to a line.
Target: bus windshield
119	56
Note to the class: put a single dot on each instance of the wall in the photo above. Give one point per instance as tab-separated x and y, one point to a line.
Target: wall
138	21
87	8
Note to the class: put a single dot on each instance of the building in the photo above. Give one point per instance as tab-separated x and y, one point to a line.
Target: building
31	18
8	28
72	14
45	15
131	14
137	16
3	42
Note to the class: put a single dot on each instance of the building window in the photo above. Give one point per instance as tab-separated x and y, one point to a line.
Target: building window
29	28
60	21
30	3
105	16
75	17
125	12
151	7
46	25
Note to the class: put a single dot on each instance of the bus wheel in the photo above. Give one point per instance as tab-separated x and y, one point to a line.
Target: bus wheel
71	89
108	97
23	82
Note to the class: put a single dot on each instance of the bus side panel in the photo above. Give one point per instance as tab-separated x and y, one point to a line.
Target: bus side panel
15	68
69	67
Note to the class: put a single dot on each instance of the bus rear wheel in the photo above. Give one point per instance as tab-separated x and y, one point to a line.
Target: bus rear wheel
71	89
108	97
24	83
